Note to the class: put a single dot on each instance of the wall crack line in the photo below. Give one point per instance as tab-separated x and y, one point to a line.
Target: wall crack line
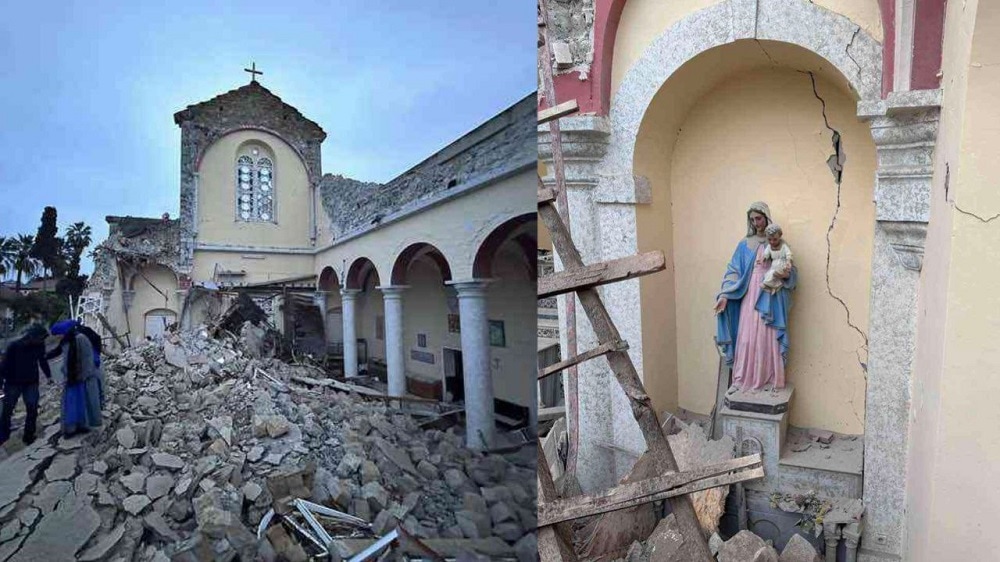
836	163
847	51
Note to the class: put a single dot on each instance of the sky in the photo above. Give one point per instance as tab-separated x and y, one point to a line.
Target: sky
88	89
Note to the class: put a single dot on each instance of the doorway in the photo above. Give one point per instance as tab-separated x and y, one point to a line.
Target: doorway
454	381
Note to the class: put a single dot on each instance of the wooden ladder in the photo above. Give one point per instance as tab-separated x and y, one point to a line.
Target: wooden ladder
555	540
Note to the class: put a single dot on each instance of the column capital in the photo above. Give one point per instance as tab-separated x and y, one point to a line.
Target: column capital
349	293
392	291
470	287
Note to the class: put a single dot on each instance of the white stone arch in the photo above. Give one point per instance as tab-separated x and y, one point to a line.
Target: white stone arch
835	38
483	233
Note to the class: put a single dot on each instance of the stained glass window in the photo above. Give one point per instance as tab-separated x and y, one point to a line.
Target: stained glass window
255	188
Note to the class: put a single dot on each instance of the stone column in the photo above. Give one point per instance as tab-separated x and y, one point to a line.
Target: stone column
904	127
319	299
479	415
395	363
348	297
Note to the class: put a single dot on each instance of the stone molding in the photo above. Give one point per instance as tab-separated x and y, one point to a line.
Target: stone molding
852	51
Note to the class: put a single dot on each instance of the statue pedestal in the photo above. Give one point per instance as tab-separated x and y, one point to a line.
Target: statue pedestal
771	402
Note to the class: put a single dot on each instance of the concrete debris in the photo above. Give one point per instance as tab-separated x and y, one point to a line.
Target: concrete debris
798	549
743	547
821	435
198	447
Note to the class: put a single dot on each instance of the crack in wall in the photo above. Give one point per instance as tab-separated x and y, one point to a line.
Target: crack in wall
947	182
836	163
847	51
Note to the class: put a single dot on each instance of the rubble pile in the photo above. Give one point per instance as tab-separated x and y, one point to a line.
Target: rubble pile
203	439
666	544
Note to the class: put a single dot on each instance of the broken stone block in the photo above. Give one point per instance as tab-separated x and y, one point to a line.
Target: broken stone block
526	548
561	52
126	437
474	525
61	533
103	546
159	485
221	427
10	530
821	435
255	454
377	496
136	503
252	491
715	542
501	512
62	468
175	355
166	460
455	478
798	549
743	547
384	523
369	472
155	522
766	554
135	482
51	494
427	470
474	502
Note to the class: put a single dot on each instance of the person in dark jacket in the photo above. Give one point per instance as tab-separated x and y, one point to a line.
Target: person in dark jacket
19	374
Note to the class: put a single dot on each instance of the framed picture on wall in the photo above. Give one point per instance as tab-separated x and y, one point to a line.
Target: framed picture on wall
454	326
380	328
497	336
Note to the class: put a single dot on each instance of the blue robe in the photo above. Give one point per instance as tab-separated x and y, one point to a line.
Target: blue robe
773	309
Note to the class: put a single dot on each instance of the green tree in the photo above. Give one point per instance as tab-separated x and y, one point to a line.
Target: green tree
77	240
24	264
48	248
6	256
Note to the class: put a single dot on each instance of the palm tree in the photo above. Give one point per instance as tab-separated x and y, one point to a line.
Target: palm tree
23	263
6	256
78	237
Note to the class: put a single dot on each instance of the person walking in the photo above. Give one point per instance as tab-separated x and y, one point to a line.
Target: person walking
19	374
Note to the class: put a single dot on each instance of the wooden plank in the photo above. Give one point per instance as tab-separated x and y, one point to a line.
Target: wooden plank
555	543
557	111
621	365
546	195
585	356
636	493
591	276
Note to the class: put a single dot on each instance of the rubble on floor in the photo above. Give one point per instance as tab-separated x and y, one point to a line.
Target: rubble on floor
202	439
666	544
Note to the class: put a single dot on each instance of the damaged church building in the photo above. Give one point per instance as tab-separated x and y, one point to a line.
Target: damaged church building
425	282
867	131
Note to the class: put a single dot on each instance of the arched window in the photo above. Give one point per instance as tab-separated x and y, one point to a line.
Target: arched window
254	185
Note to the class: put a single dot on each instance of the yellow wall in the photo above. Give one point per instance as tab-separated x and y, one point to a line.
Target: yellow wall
644	20
710	150
950	500
147	298
217	196
259	267
512	299
425	311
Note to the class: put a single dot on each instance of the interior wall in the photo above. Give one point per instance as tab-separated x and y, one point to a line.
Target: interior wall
425	311
512	299
642	21
368	306
710	148
949	502
148	298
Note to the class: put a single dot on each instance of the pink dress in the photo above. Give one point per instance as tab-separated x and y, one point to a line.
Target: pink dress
757	358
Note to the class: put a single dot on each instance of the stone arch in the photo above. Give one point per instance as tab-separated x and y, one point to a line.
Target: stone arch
523	231
328	280
359	272
852	52
415	251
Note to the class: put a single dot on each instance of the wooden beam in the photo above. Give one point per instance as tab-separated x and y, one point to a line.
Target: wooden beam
557	111
590	276
546	195
555	543
652	489
585	356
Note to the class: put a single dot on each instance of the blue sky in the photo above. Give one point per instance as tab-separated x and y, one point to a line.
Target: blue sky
89	89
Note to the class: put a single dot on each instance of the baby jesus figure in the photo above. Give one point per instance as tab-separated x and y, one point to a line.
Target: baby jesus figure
779	254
